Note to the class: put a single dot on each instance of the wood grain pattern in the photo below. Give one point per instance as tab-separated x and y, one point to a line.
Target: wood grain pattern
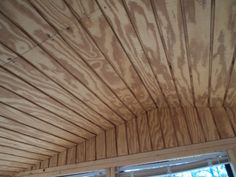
14	164
90	152
169	17
198	21
81	152
180	125
156	134
168	129
62	158
120	89
104	37
231	113
122	147
144	137
44	164
71	155
118	19
19	11
17	159
208	124
195	126
53	161
111	147
101	146
223	49
143	18
222	122
22	153
132	137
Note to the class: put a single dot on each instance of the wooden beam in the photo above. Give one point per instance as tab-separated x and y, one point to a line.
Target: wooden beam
171	153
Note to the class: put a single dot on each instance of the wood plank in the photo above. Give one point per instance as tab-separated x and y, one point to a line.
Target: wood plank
132	137
101	146
90	149
22	153
198	21
7	173
119	88
35	25
17	159
155	130
208	124
120	22
231	113
103	36
57	13
122	146
26	147
25	105
14	114
81	152
222	122
53	70
141	15
167	127
143	133
36	166
71	155
44	164
7	168
53	161
169	17
10	33
30	131
223	49
194	125
14	164
73	63
111	141
180	125
29	140
62	158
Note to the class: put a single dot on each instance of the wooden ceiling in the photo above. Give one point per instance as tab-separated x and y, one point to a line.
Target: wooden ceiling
70	69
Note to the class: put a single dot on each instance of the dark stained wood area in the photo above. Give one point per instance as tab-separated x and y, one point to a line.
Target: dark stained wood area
153	74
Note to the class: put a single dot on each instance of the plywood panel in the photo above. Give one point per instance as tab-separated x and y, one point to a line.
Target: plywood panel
90	149
108	43
14	164
143	133
101	146
168	129
223	49
198	23
31	131
17	159
44	164
22	153
35	25
80	152
53	161
155	130
119	88
195	126
71	155
231	113
121	134
208	124
6	168
16	136
142	16
180	125
169	17
132	137
111	147
222	122
118	19
62	158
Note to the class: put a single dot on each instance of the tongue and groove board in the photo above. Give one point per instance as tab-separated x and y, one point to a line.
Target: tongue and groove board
73	69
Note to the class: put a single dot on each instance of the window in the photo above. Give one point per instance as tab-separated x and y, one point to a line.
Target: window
207	165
